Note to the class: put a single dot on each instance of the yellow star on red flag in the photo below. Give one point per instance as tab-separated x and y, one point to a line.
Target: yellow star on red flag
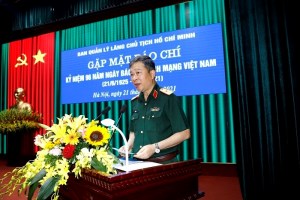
39	57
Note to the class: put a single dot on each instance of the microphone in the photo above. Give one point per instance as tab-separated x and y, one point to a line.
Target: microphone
103	112
122	110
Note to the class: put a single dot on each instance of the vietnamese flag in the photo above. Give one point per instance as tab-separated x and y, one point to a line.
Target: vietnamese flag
31	66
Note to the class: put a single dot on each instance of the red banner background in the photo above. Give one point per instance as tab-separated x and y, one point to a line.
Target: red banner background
31	66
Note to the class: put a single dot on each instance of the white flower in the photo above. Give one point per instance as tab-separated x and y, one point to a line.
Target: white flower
56	151
38	141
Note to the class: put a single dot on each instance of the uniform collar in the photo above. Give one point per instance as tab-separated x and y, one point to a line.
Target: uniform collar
153	95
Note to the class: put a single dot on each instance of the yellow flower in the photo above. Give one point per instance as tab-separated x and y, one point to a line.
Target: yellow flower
74	123
97	135
62	168
57	142
83	160
71	137
106	158
49	145
93	123
59	131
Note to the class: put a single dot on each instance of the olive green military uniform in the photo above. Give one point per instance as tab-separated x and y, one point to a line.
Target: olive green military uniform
156	119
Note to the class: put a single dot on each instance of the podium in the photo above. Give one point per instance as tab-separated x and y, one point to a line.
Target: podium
170	181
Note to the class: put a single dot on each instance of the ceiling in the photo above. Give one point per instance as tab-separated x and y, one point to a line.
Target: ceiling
9	8
6	12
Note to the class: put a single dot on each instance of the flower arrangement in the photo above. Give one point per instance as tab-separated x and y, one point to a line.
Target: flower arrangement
67	147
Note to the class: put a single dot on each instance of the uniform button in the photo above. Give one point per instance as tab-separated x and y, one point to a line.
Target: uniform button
143	117
142	131
145	104
152	115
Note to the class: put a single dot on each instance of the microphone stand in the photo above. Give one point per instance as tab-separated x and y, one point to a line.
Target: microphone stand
110	123
103	112
114	130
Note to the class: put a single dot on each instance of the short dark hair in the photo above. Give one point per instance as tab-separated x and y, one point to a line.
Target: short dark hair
146	60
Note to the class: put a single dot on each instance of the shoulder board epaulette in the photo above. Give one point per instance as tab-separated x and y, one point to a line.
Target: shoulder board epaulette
166	91
135	97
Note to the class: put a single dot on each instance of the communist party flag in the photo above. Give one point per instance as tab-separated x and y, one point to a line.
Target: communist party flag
31	67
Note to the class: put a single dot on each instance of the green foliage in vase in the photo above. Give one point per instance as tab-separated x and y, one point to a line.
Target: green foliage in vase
14	120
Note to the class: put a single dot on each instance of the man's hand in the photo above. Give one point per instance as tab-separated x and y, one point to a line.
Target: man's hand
145	152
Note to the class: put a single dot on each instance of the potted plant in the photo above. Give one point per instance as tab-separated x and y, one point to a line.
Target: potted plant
19	127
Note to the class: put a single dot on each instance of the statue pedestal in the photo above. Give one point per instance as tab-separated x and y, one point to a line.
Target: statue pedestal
20	148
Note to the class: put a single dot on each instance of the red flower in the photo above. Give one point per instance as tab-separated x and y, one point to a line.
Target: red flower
68	151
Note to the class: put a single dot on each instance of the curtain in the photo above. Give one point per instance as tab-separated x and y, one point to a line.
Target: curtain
267	98
3	73
3	92
30	66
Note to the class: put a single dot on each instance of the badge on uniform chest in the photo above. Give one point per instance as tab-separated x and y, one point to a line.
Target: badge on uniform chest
155	109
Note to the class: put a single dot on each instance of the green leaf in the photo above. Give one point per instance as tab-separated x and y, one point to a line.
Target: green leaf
35	182
32	189
38	176
47	189
96	164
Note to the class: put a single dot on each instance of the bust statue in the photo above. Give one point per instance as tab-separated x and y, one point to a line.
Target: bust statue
19	96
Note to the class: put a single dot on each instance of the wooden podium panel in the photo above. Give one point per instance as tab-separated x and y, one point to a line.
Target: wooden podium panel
170	181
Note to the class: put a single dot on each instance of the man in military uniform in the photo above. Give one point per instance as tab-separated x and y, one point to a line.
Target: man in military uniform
158	124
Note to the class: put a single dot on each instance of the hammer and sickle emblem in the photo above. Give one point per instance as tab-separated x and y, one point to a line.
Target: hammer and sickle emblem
21	61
